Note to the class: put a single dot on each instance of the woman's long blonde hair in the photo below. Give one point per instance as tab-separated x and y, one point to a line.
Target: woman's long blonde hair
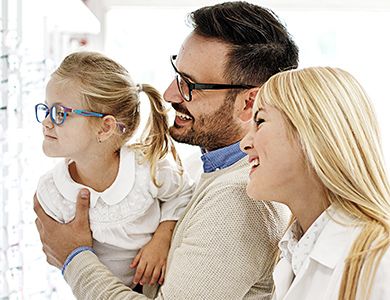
106	87
332	116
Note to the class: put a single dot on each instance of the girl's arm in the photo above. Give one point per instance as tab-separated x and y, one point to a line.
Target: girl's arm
152	258
174	193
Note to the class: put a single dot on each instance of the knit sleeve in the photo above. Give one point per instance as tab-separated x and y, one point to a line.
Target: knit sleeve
226	253
228	249
91	280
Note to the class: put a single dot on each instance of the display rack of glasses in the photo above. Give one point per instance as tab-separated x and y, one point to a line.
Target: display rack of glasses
24	65
32	44
10	254
3	55
11	34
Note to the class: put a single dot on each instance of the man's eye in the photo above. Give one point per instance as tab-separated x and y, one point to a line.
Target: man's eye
183	84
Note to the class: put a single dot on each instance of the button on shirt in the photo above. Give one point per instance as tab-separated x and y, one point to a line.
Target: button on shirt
221	158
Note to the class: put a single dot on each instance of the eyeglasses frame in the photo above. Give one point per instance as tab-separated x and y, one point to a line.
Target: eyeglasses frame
67	110
203	86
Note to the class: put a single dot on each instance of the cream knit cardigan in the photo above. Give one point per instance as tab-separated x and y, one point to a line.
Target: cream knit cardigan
223	247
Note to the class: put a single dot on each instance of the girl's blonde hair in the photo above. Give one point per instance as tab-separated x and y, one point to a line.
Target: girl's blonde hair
106	87
331	115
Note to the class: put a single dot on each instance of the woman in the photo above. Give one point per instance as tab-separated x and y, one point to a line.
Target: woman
314	146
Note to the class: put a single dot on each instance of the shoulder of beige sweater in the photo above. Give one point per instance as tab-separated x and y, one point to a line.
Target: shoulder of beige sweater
236	174
233	180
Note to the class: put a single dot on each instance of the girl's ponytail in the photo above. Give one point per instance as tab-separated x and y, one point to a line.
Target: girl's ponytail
155	142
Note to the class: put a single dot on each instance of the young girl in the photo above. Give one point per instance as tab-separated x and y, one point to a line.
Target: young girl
91	111
314	146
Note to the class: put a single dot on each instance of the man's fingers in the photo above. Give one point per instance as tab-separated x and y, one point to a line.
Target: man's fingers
51	259
38	224
82	208
40	212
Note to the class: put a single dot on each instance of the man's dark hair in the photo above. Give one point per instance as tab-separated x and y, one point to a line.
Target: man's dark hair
259	43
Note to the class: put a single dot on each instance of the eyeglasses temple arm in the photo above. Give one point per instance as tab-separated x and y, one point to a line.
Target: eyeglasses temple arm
87	113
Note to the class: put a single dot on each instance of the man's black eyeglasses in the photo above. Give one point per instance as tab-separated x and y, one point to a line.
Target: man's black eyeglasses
186	87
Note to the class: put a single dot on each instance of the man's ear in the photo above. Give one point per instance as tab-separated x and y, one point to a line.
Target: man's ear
247	105
106	128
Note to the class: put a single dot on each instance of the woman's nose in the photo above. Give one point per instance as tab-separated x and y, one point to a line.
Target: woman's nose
246	143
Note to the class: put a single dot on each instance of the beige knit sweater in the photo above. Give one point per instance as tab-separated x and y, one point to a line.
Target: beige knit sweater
223	247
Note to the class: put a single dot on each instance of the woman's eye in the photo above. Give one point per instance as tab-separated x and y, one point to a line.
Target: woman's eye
259	121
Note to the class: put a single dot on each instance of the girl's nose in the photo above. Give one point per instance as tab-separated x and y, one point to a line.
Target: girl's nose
47	122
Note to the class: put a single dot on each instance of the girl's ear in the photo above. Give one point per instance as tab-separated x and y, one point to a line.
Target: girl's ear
106	128
247	105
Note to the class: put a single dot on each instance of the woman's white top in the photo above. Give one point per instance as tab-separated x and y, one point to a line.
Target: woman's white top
125	215
312	264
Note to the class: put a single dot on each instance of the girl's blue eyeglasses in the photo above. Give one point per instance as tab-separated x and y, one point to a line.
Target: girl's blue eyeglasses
59	112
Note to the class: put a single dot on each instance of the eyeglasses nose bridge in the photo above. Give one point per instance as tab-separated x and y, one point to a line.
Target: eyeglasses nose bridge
47	112
47	121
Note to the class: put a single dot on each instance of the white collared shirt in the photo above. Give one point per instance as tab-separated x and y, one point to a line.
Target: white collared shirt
296	246
127	213
320	274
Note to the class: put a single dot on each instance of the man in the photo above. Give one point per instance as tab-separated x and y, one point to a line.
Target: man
223	247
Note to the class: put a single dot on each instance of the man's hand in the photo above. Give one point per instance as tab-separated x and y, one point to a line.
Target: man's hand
59	240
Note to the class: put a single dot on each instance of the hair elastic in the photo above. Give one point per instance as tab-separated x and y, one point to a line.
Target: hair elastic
139	87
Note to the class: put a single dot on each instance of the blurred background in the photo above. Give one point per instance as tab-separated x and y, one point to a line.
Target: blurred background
37	34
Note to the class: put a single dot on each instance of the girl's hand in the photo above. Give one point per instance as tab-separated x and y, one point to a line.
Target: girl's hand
152	258
150	263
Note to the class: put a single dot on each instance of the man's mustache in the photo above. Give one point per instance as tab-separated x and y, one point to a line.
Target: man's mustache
181	109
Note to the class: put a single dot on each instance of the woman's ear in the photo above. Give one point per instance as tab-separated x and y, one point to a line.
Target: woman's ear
247	105
106	128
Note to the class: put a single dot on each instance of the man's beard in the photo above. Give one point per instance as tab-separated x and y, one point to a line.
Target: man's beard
210	131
